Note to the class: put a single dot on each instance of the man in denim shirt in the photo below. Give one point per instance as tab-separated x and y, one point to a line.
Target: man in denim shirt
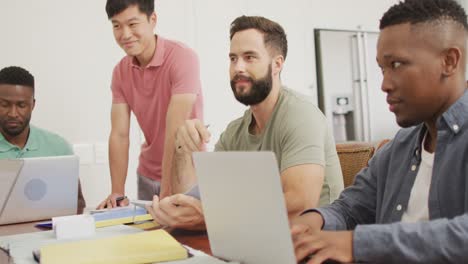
411	204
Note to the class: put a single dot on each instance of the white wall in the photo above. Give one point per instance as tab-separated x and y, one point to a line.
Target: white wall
68	46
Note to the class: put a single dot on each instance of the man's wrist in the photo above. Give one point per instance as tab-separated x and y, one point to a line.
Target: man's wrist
313	218
120	191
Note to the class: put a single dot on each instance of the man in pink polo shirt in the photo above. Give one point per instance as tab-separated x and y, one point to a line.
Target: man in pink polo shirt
159	82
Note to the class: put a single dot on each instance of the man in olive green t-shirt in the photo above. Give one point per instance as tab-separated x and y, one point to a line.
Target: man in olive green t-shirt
18	139
297	133
277	120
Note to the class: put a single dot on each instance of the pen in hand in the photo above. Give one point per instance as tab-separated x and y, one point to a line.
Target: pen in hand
119	199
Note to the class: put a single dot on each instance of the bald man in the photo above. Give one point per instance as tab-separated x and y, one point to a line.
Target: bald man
411	204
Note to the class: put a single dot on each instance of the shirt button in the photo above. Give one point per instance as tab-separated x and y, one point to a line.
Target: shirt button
417	152
455	127
413	168
399	207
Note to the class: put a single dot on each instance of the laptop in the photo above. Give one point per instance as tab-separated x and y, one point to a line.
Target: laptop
244	207
38	188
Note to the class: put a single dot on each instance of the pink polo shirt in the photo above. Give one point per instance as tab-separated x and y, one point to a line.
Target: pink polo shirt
174	69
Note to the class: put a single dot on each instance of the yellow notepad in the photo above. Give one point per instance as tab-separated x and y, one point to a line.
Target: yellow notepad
144	247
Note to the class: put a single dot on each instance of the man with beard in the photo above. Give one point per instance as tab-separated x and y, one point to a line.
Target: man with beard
278	120
410	205
18	139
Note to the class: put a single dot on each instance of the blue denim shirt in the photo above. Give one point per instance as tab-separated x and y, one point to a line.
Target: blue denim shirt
375	203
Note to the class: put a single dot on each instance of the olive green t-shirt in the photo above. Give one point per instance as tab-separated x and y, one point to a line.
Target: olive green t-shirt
41	143
297	133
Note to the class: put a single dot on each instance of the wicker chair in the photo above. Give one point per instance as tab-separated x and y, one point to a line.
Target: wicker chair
353	157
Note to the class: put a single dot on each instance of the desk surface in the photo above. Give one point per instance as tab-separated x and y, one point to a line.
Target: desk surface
194	239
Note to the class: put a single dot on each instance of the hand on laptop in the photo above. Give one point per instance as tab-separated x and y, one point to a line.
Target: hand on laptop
178	211
324	245
191	136
113	200
310	241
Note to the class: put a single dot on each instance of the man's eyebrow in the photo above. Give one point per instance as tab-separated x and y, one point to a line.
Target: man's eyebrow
388	56
128	20
249	52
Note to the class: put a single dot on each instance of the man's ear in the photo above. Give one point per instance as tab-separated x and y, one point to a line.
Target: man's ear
34	104
153	19
277	65
451	61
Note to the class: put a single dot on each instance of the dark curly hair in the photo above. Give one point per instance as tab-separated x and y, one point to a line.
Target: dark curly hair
273	34
16	76
114	7
420	11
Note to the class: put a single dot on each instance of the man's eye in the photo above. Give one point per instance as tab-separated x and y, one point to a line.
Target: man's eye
396	64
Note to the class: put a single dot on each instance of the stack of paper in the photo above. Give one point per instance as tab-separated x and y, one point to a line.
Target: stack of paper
115	216
144	247
121	215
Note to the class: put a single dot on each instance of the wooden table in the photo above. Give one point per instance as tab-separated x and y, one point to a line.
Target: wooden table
194	239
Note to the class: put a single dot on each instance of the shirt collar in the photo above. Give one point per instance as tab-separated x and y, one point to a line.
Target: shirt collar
158	57
31	144
5	145
454	120
456	116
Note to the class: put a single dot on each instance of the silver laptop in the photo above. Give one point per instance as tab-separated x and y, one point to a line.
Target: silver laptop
38	188
244	207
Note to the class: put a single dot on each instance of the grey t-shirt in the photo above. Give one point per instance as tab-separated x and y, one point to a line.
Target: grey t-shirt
297	133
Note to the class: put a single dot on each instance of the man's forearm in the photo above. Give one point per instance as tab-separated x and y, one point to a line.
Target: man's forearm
183	172
167	177
296	203
118	163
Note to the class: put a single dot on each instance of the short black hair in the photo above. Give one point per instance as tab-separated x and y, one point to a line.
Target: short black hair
15	75
114	7
273	34
420	11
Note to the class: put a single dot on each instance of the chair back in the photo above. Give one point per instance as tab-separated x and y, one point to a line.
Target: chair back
353	157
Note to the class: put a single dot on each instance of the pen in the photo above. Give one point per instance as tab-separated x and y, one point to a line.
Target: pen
119	199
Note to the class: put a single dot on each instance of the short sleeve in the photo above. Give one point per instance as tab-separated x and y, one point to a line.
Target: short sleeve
59	146
68	148
116	86
185	72
303	141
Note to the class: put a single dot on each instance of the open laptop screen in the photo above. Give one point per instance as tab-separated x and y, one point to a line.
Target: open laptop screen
244	207
38	188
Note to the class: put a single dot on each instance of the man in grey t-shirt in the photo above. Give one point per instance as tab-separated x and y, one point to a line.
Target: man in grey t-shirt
278	120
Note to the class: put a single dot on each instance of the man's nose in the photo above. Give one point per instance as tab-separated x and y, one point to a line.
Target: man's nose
126	32
239	66
13	111
386	83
